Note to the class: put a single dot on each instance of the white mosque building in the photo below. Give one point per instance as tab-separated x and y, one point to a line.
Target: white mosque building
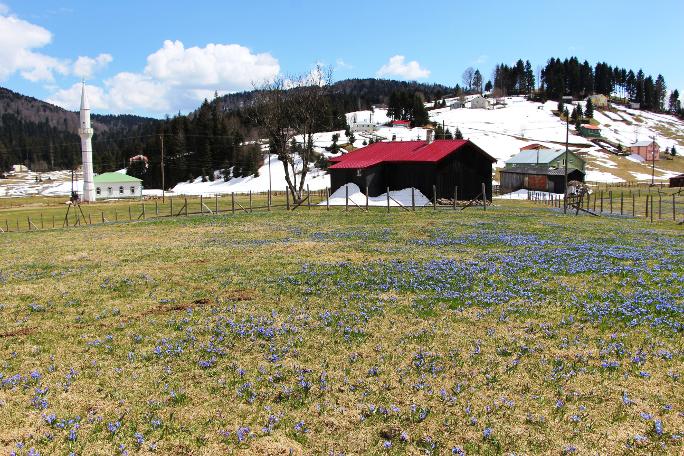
106	185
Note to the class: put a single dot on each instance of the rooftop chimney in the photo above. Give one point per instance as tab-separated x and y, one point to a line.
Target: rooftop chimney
430	136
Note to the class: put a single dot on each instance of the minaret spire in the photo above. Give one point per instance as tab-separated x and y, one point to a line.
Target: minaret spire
86	133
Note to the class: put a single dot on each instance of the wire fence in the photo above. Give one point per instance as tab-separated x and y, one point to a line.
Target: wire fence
651	203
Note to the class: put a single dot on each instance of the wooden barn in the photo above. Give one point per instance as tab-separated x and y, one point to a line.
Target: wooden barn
677	181
540	170
445	164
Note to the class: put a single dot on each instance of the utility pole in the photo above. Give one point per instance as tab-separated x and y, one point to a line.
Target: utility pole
161	137
653	146
567	137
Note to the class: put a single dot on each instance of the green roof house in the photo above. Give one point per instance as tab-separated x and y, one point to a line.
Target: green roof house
117	185
540	170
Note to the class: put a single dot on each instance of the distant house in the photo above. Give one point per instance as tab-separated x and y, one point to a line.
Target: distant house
541	170
533	146
19	168
401	123
599	100
646	150
677	181
363	127
590	130
567	99
456	104
634	105
480	102
117	185
424	165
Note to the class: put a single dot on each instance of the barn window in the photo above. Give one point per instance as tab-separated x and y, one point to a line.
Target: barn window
132	190
98	191
121	190
358	173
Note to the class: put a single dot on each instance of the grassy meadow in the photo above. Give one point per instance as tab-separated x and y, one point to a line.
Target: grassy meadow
515	330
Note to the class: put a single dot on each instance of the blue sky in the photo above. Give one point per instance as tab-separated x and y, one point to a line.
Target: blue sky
156	57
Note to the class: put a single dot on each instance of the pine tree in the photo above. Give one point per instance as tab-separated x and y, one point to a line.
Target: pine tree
574	116
673	151
458	134
580	114
561	106
674	103
589	111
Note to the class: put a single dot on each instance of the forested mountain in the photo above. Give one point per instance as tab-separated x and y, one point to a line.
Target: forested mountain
44	136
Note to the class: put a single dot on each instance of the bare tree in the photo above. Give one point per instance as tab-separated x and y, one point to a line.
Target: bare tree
468	75
287	112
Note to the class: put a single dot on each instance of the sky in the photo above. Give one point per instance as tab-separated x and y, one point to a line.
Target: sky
159	58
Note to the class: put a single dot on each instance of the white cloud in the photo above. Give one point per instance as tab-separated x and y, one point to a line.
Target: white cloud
4	9
176	78
217	66
65	97
398	67
85	67
18	39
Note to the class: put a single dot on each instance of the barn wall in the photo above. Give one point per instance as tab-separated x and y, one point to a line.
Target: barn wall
467	169
405	175
372	177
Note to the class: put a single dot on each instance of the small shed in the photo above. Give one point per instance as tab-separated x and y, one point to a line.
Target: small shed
456	104
590	130
634	105
117	185
480	102
567	99
540	170
648	150
677	181
363	127
599	100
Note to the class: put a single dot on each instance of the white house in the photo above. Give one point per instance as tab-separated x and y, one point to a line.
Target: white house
456	104
480	102
117	185
363	127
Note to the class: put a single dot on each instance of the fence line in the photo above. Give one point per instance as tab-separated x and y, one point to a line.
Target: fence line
653	205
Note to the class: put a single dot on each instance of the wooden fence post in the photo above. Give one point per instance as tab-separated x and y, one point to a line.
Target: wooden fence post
171	209
53	221
41	221
29	223
287	194
201	204
622	202
143	211
388	202
327	199
413	199
660	206
250	201
130	217
232	203
216	207
601	201
90	219
116	215
186	206
308	197
674	212
346	197
651	208
156	208
484	196
610	195
268	201
646	214
434	197
633	205
455	195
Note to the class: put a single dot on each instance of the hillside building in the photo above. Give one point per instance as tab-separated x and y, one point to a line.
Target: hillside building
117	185
444	164
599	100
480	102
363	127
401	123
591	131
648	150
540	170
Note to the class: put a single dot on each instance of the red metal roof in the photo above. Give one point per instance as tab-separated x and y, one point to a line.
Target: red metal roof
402	152
401	122
532	147
591	127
